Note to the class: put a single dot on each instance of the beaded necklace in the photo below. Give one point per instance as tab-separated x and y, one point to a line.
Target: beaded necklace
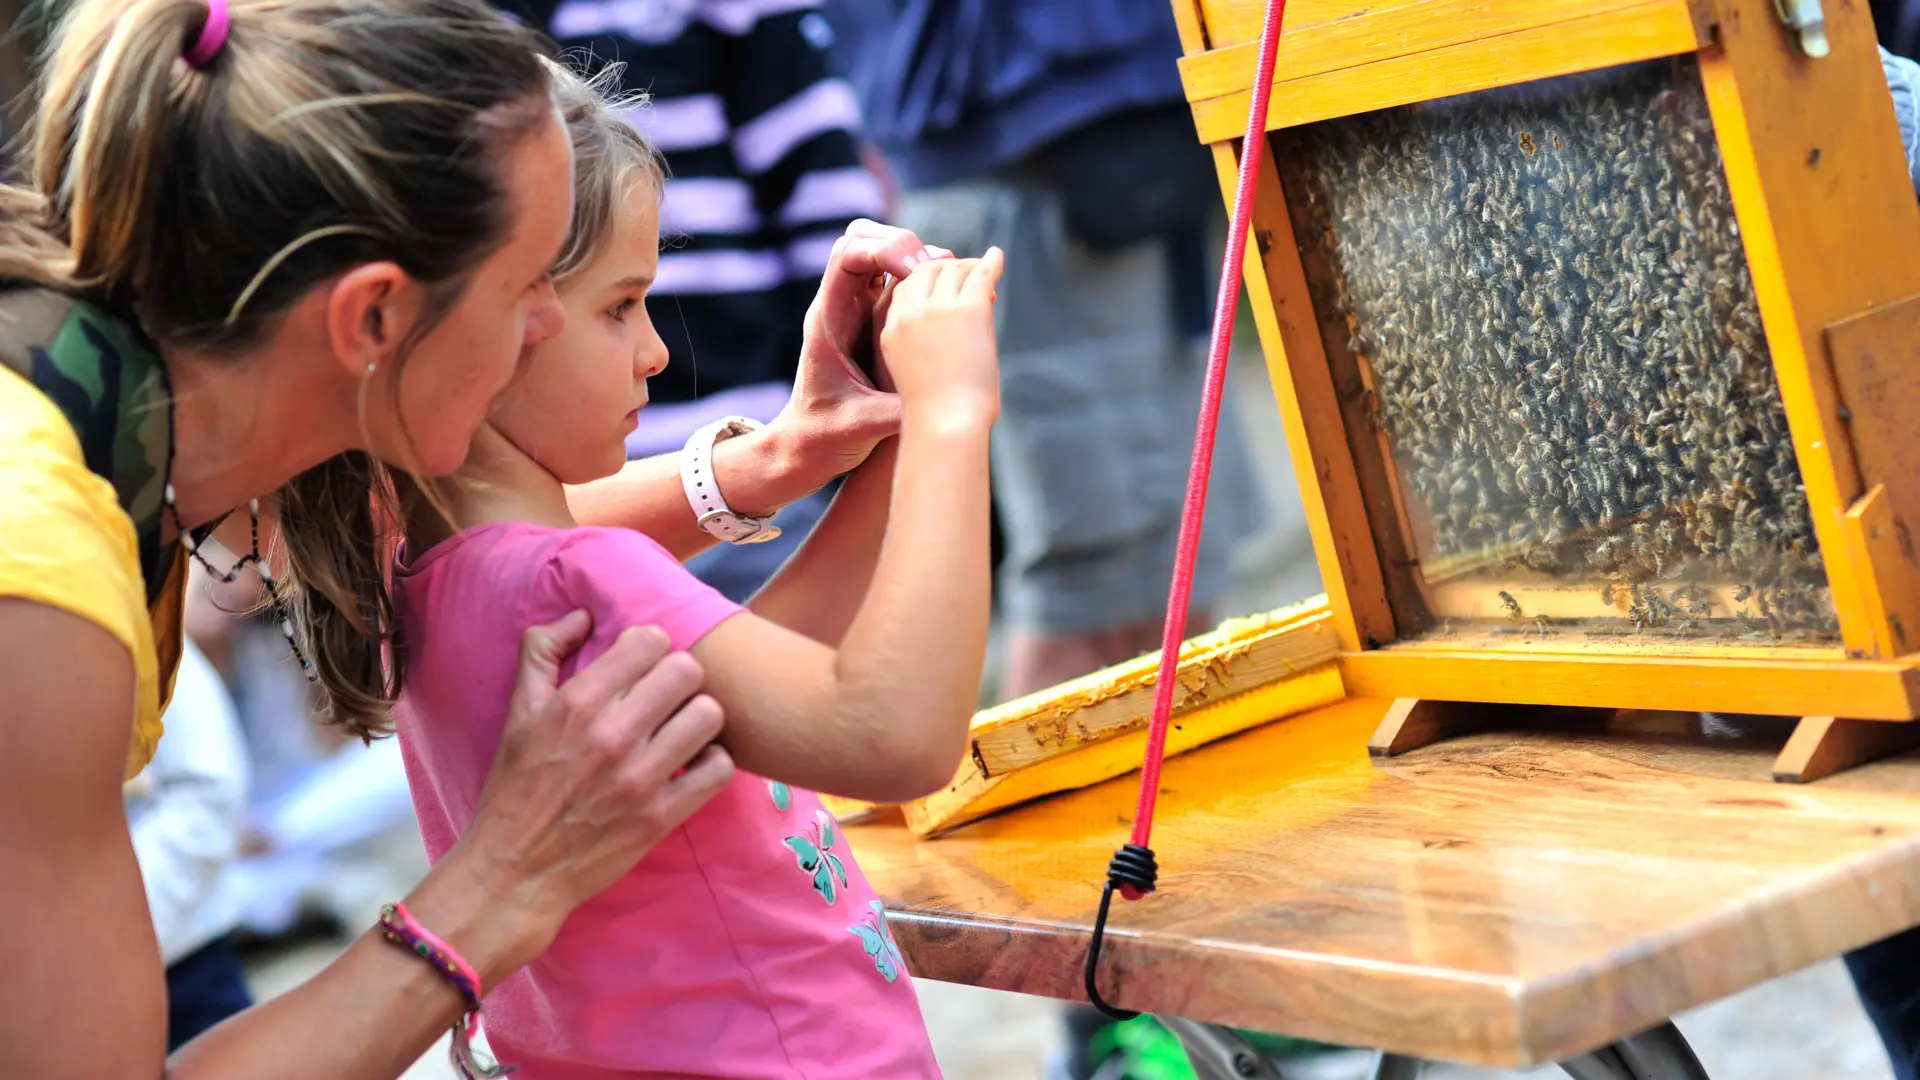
193	541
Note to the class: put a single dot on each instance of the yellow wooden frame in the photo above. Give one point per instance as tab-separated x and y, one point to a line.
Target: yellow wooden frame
1831	230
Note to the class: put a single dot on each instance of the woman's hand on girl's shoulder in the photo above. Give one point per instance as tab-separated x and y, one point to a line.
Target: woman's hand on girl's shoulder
937	340
590	775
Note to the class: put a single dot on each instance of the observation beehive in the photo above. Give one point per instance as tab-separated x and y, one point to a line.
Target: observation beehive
1595	330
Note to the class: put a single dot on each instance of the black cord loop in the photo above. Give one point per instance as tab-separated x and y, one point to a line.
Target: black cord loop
1132	865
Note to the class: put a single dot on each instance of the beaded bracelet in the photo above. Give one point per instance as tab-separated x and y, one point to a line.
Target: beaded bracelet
398	926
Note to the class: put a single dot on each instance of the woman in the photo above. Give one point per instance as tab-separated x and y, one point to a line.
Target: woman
259	238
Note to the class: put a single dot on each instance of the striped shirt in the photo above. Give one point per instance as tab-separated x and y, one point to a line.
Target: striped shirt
761	142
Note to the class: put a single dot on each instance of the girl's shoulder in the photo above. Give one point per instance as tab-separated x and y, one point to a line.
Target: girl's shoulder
624	578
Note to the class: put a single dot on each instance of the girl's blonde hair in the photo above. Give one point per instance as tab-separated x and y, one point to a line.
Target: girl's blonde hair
343	604
610	158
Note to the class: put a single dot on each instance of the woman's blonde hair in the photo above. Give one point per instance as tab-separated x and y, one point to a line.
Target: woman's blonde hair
204	201
322	135
344	604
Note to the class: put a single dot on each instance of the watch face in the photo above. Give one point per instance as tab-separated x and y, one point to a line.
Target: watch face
766	533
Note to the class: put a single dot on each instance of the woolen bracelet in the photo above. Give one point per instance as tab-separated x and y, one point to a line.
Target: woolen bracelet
398	925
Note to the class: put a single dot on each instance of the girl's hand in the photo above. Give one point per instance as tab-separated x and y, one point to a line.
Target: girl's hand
588	777
836	415
937	341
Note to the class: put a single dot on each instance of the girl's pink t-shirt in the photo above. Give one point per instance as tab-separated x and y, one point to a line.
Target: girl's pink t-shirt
746	944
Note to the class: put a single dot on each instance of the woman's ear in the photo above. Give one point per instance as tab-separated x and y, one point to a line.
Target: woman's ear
370	309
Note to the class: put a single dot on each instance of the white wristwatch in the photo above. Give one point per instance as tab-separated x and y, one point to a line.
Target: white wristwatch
703	492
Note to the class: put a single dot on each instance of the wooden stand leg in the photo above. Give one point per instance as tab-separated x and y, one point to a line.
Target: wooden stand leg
1414	722
1411	723
1824	745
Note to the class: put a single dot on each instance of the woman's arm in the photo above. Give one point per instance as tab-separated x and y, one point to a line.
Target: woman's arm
584	786
884	717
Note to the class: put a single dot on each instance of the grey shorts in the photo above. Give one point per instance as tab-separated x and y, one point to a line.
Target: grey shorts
1099	398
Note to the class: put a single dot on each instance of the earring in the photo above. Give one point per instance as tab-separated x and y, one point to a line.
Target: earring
371	367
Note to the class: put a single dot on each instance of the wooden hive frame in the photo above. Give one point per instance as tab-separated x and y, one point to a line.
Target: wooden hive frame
1831	232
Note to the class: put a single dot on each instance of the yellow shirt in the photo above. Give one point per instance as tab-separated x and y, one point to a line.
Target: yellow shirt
66	543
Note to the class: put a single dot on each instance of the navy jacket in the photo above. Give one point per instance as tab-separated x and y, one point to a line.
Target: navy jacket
954	88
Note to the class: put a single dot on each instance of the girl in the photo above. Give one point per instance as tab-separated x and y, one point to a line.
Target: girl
256	235
747	944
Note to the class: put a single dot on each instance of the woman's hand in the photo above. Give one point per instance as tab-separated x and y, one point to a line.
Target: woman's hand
589	776
836	415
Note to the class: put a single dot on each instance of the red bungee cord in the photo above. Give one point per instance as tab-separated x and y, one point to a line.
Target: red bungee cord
1133	870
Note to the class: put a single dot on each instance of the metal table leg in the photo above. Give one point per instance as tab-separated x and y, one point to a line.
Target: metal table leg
1660	1054
1217	1053
1396	1067
1602	1064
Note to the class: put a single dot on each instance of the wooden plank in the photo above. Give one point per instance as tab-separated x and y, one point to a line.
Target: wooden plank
1192	25
1879	544
1869	689
1506	899
1830	226
1652	29
1233	22
1411	723
1824	745
1876	368
973	795
1241	655
1013	746
1355	387
1385	34
1310	412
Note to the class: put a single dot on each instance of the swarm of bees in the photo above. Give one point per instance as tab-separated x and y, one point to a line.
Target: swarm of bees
1548	285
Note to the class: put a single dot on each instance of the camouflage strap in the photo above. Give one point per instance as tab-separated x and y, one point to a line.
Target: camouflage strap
103	373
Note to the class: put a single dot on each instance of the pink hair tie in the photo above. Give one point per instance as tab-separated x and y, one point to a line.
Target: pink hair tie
213	35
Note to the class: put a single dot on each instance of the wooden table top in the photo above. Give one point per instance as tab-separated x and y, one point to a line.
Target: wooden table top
1507	899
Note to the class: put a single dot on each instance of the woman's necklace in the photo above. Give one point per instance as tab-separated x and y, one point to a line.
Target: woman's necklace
253	559
192	543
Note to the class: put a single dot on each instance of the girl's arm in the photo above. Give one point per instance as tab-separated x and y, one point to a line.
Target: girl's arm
884	717
758	473
821	587
833	421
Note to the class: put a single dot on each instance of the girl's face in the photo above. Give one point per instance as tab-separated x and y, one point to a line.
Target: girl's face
580	392
451	379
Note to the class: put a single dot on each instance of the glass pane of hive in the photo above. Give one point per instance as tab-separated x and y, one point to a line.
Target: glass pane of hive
1540	296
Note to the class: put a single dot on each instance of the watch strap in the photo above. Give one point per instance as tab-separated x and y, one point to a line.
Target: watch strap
710	507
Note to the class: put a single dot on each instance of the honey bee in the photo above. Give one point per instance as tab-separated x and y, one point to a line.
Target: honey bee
1511	605
1578	325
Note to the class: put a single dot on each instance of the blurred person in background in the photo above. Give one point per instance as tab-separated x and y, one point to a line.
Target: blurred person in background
185	811
1058	131
327	831
1898	24
765	172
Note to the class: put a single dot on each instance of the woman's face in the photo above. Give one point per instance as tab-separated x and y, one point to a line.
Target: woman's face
580	392
451	378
